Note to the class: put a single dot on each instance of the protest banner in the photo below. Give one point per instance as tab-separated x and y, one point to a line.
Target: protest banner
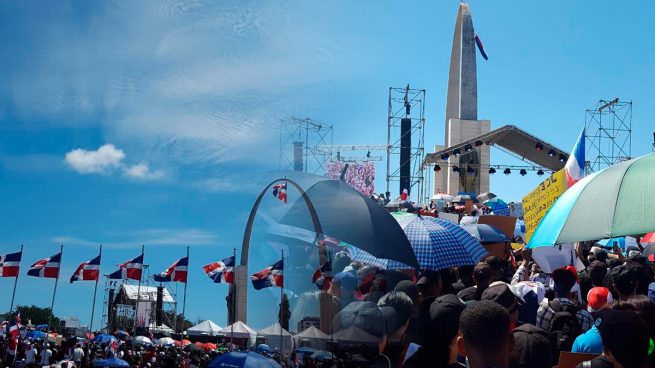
537	202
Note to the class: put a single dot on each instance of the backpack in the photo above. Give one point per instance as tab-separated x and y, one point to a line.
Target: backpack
564	327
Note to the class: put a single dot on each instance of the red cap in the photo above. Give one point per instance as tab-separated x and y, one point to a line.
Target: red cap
597	298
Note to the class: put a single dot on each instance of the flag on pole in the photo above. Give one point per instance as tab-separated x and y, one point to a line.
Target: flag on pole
131	269
10	264
13	328
323	276
221	271
280	191
575	164
87	271
175	272
481	47
47	267
270	276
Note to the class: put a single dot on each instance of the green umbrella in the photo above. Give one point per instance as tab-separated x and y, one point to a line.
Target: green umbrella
613	202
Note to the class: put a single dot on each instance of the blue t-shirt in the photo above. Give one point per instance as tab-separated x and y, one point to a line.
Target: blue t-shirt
588	342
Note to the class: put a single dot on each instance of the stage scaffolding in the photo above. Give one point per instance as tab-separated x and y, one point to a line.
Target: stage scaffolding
300	139
608	133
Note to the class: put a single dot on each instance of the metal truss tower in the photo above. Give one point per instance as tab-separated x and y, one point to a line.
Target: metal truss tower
299	139
608	134
405	140
336	152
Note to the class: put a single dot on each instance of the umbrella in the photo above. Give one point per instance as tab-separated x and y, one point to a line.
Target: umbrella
649	252
111	363
323	355
121	334
463	198
609	203
184	342
165	341
498	206
339	207
623	242
444	196
208	346
104	338
486	196
263	348
486	234
35	335
648	238
439	244
305	350
238	359
142	340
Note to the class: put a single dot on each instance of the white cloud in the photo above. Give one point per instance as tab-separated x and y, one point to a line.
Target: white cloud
101	161
142	171
148	237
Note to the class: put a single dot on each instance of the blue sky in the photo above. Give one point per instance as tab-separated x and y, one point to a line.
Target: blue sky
185	99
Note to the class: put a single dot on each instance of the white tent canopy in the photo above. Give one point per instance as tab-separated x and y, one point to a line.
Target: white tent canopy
205	328
277	338
240	330
313	335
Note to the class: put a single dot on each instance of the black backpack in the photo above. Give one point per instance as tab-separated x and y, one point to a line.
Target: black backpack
564	327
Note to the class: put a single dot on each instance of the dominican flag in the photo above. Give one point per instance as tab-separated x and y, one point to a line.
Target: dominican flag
280	191
269	276
481	47
131	269
221	271
176	272
323	276
404	195
13	328
87	271
574	167
47	267
10	264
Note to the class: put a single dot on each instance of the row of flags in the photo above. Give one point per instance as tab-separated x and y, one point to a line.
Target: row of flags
220	272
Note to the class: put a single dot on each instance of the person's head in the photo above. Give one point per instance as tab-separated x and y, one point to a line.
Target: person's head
597	271
365	316
397	308
440	334
503	294
429	284
563	281
342	283
597	298
465	273
532	348
482	274
485	335
496	266
409	288
625	337
601	256
624	280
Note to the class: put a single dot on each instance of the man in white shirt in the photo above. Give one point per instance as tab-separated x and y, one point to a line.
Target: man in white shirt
45	356
30	354
78	354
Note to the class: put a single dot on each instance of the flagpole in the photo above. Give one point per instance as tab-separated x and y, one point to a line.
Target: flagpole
185	285
95	291
234	298
138	295
54	293
13	294
281	299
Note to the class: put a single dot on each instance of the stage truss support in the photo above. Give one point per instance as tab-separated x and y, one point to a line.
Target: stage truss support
299	139
405	103
608	133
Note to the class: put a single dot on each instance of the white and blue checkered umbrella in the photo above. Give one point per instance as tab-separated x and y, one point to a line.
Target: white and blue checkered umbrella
439	244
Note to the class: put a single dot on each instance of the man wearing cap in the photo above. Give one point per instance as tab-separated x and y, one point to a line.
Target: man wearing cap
563	281
590	341
531	348
624	280
482	274
503	294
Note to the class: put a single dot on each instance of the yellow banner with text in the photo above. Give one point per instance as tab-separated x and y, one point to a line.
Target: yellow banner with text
537	202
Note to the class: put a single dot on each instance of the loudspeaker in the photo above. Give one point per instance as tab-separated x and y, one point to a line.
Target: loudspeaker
159	305
297	156
405	154
111	312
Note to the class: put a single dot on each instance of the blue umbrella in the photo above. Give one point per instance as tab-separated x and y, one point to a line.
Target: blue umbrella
238	359
439	244
323	355
305	350
104	338
35	335
121	334
486	234
263	348
111	363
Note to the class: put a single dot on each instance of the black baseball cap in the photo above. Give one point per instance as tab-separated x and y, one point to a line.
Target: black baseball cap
408	288
366	316
444	316
531	348
503	294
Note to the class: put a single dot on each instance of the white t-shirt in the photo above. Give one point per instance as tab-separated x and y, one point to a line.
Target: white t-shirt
45	357
78	354
30	355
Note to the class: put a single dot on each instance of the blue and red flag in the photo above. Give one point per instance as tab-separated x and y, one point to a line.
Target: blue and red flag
131	269
176	272
221	271
87	271
323	276
13	328
280	191
481	47
10	264
270	276
574	167
47	267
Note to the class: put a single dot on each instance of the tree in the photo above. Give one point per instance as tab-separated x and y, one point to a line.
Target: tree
37	315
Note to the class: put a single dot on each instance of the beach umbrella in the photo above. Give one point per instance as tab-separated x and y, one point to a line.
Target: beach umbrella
35	335
486	234
439	244
121	334
104	339
463	198
497	206
110	363
609	203
165	341
238	359
486	196
648	238
443	196
142	340
349	216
